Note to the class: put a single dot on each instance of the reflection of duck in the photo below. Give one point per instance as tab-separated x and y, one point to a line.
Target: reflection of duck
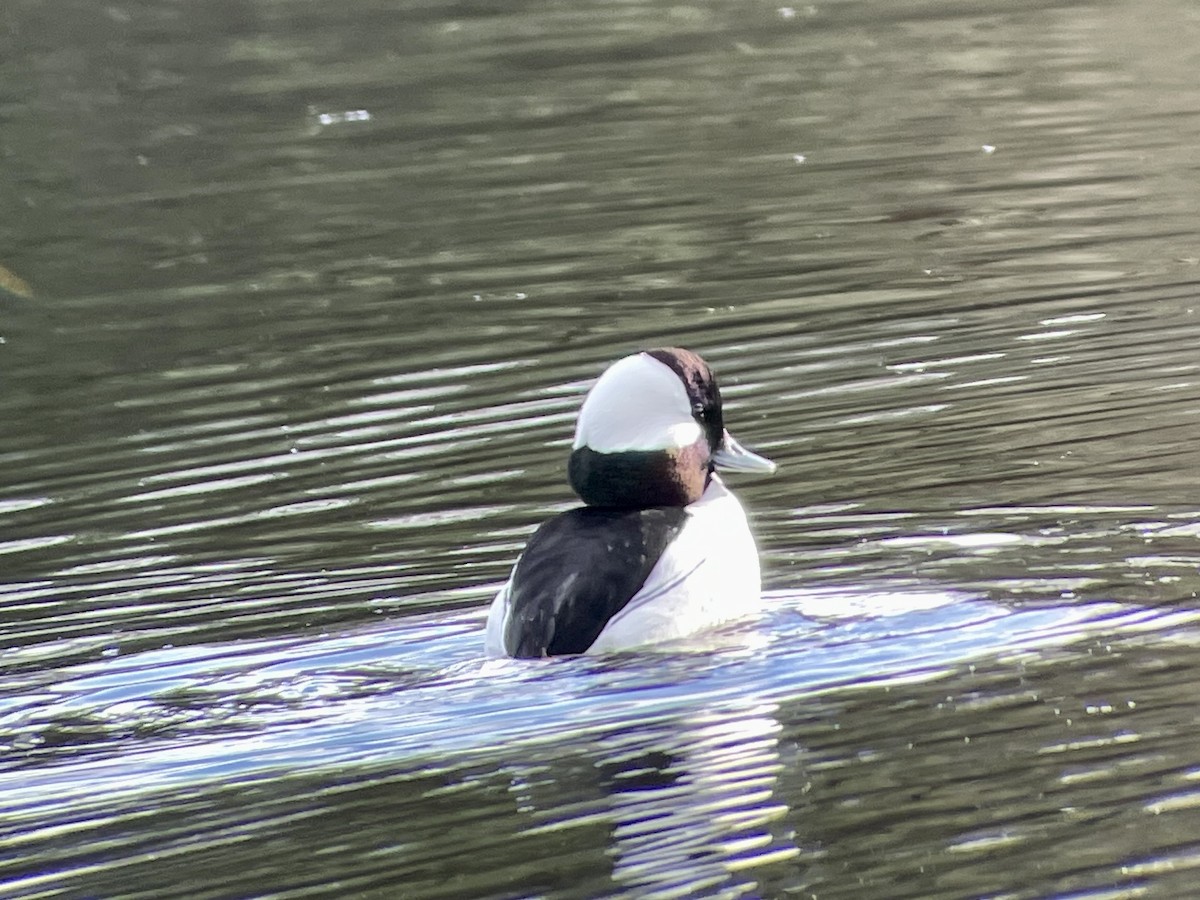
662	548
709	823
691	806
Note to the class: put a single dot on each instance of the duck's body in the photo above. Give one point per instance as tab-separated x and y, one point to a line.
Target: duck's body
662	548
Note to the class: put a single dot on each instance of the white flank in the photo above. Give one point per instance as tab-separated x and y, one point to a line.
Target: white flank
709	574
493	636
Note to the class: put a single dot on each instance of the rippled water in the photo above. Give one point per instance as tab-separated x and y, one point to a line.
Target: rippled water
297	304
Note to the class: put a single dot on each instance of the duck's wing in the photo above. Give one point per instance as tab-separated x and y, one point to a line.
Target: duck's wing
579	570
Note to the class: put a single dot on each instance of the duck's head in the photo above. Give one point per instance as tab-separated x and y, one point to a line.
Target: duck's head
651	432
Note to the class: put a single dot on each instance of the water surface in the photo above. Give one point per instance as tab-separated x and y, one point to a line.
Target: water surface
298	306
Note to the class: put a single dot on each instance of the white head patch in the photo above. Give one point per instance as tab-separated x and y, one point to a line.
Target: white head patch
638	404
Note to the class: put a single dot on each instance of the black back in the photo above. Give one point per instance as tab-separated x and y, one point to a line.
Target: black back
578	571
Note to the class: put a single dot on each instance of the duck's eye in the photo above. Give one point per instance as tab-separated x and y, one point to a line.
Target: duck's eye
705	415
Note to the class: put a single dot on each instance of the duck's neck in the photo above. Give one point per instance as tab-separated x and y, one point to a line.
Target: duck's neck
638	479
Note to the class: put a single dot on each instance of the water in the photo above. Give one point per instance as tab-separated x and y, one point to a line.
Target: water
298	304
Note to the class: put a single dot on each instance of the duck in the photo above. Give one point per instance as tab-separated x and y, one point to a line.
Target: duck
661	548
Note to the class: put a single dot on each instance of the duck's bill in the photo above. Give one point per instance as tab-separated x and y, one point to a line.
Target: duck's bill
733	457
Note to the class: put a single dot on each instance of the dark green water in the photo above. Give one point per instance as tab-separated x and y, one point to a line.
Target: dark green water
316	290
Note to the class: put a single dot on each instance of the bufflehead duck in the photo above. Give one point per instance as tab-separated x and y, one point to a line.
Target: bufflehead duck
661	549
